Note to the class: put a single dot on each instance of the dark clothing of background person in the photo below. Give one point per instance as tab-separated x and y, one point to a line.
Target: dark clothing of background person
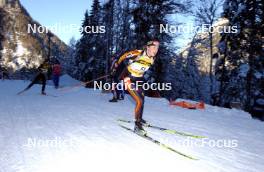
41	76
56	72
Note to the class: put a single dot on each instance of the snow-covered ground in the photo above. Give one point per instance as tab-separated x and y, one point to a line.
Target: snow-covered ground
78	132
65	81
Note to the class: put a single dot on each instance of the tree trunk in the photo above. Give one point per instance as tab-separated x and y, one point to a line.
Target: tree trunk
211	62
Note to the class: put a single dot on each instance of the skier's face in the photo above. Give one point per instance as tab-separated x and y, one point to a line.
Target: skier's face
152	50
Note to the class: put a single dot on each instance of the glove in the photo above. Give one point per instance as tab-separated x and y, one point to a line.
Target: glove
113	72
128	62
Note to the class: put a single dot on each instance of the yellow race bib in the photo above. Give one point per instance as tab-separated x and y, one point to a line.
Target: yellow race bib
140	66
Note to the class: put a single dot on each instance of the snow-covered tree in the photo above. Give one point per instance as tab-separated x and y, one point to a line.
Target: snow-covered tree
148	15
1	31
243	55
90	59
207	12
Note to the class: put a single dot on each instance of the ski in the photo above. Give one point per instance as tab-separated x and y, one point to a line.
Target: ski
21	92
158	143
166	130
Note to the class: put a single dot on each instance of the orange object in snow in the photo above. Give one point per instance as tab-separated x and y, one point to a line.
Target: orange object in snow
184	104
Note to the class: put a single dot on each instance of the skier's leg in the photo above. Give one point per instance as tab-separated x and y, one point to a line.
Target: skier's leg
142	97
135	94
122	94
116	91
54	80
114	99
36	79
118	94
120	91
139	103
138	111
43	79
58	81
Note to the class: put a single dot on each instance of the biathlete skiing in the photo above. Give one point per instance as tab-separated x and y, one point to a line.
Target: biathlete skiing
131	68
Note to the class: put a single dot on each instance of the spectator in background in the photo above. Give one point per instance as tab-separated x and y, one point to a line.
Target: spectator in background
56	72
113	79
4	74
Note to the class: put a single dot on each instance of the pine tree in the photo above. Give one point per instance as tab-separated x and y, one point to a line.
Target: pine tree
148	16
90	59
207	12
1	31
70	62
82	46
126	35
108	21
192	79
95	13
117	19
243	55
97	60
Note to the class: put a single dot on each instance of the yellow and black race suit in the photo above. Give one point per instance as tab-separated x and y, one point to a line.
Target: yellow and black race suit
135	64
139	66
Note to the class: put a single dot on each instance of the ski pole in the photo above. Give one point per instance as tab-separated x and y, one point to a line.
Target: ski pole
82	83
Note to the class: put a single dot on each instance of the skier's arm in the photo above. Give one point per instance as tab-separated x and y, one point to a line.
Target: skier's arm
40	67
128	56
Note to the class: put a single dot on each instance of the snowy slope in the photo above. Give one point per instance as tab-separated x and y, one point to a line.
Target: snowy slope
84	125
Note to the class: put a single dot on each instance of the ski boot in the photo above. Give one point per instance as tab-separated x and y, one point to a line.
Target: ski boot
139	129
121	97
144	123
113	100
